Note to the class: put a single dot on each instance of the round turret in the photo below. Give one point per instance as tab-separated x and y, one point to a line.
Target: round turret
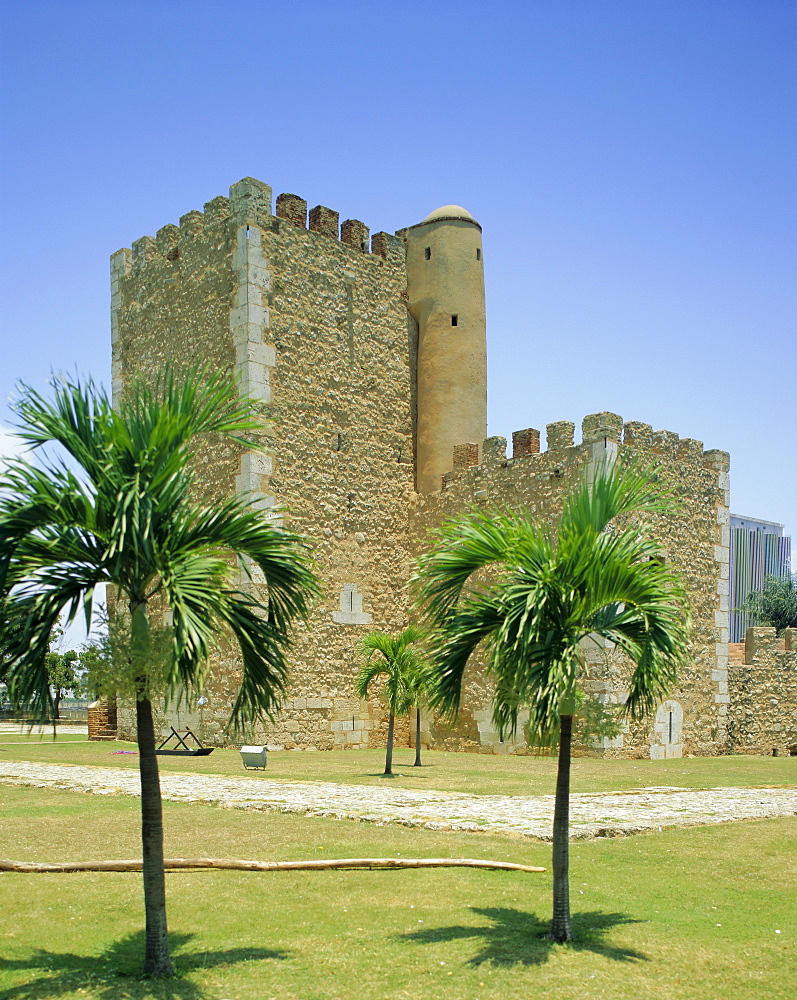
445	282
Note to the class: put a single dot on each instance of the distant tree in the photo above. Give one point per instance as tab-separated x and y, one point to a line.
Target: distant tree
775	604
397	659
62	672
130	519
547	591
105	658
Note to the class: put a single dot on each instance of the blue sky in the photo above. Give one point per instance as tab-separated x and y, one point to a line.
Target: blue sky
632	165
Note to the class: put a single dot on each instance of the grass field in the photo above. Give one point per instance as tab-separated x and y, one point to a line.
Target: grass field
691	914
481	774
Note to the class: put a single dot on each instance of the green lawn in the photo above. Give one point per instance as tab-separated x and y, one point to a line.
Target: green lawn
689	914
482	774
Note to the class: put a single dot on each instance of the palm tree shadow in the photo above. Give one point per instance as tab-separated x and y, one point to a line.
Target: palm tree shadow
515	937
118	970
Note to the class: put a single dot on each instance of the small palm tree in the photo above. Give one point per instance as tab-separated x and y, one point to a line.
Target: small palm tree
419	683
547	592
400	664
128	519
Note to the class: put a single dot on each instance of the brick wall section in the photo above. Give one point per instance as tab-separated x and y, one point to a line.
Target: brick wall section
465	455
355	235
381	243
525	442
325	221
102	720
293	209
763	690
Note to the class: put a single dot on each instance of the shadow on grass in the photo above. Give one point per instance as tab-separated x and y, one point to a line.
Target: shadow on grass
514	937
117	971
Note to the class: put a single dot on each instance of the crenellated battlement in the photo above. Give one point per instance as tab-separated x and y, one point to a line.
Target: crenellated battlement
250	202
596	429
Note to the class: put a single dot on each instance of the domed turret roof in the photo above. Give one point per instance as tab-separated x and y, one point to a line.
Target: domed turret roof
449	212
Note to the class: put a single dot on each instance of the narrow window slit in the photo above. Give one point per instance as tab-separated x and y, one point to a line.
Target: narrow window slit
478	253
427	253
455	320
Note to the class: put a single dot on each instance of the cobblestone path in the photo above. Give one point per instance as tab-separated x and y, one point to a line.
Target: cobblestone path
605	814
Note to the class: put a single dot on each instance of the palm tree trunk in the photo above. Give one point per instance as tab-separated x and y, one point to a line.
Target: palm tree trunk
561	928
157	961
389	754
417	736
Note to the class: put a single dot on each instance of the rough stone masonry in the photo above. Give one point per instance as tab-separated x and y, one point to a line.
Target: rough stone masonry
368	358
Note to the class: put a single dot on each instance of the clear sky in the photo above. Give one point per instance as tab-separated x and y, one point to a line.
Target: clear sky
632	165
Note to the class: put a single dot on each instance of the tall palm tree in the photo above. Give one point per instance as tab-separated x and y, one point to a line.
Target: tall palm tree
394	658
127	518
547	590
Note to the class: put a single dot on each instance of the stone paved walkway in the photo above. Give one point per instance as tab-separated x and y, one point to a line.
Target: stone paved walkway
607	814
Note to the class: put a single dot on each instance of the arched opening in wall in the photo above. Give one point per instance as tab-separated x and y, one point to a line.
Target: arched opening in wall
667	739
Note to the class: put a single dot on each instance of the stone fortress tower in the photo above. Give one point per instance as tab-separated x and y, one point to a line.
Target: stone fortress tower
367	356
445	285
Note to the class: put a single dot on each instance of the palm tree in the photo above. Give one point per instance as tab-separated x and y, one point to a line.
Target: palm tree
544	593
419	682
128	519
400	664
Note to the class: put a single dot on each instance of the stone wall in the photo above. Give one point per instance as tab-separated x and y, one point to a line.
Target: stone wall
694	540
763	689
318	332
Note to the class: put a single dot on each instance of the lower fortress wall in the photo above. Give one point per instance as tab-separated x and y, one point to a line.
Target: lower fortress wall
365	557
762	680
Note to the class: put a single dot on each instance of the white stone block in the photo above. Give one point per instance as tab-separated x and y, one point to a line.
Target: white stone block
256	463
249	313
722	699
248	333
719	675
259	275
259	353
722	687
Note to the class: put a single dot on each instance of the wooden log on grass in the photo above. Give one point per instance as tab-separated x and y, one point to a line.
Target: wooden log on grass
332	864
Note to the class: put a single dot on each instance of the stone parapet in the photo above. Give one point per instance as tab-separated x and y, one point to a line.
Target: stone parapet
762	691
